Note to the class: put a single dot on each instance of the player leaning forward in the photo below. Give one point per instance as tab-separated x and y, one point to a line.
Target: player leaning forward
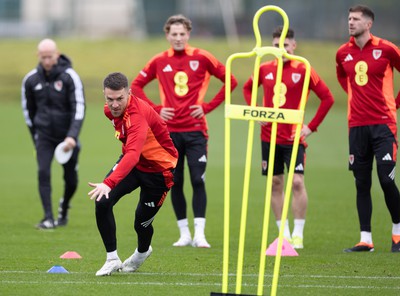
148	160
365	71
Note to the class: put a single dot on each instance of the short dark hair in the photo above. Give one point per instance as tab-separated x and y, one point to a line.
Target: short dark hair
365	10
278	32
115	81
178	19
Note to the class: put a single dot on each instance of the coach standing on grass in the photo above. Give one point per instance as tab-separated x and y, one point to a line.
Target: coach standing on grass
364	68
53	103
148	160
183	73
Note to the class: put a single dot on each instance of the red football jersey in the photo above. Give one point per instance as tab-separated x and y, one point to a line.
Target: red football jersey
183	78
146	143
367	76
291	89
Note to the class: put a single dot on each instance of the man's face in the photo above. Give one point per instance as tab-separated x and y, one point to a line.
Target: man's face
116	100
48	58
178	36
289	44
358	24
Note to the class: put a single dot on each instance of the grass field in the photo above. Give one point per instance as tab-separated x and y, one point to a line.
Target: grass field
320	269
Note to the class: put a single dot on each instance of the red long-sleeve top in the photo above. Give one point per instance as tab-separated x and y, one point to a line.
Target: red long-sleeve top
183	78
292	85
366	75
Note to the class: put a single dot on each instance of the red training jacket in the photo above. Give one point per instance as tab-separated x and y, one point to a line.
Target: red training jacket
146	143
292	85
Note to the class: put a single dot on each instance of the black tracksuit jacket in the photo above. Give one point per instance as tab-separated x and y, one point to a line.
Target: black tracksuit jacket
53	104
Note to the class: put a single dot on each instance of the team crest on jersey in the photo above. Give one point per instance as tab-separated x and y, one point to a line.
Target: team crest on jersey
351	159
376	53
58	85
296	77
194	65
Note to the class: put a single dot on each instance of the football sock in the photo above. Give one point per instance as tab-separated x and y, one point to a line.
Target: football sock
396	229
298	227
286	231
184	230
366	237
112	255
396	233
199	226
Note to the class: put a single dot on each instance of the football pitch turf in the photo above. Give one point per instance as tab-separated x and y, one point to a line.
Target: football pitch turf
320	269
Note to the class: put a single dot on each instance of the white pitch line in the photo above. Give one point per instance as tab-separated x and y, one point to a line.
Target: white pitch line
192	284
220	275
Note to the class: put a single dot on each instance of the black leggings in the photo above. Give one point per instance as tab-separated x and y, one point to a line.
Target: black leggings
199	200
153	190
364	201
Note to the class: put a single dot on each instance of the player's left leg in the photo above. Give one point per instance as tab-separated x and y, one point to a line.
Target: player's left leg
300	197
386	152
196	151
177	194
299	208
154	190
278	184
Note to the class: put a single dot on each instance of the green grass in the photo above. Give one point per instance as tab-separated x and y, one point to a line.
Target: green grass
320	269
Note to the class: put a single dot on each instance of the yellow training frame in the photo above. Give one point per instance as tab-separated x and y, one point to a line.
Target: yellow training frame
253	113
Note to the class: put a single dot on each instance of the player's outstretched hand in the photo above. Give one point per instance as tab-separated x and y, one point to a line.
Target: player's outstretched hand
100	190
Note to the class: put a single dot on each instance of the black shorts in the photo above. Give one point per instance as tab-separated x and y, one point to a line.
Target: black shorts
368	141
153	186
283	154
191	144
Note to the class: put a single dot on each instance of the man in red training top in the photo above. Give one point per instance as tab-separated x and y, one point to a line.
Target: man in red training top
364	67
183	74
291	88
147	161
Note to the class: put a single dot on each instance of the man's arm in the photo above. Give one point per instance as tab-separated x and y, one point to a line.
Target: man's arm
326	100
217	69
145	76
396	64
28	106
247	90
341	74
76	99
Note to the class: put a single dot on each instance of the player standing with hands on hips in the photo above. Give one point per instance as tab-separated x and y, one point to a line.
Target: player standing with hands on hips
53	103
148	160
364	67
183	74
292	85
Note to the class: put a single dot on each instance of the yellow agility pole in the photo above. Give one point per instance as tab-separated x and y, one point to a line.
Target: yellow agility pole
252	113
